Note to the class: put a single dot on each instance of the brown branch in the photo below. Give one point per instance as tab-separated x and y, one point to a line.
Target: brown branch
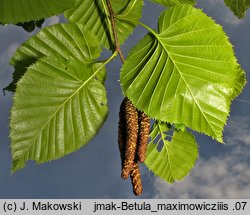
128	129
113	25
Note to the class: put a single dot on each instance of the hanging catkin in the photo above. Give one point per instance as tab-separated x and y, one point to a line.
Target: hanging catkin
128	131
131	117
135	176
144	128
122	132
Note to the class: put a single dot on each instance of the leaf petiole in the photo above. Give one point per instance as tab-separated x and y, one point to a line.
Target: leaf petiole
104	64
138	23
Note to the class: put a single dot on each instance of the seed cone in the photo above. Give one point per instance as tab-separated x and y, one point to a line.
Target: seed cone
144	128
131	117
135	176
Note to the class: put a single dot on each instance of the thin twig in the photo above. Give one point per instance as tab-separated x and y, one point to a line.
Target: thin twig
113	25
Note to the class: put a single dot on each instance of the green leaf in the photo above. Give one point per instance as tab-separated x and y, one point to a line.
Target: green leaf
187	73
179	127
58	107
238	7
93	14
170	3
175	159
16	11
63	40
240	82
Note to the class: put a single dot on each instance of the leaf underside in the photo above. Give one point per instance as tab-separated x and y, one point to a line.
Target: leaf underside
18	11
58	107
63	40
93	14
187	73
172	159
170	3
238	7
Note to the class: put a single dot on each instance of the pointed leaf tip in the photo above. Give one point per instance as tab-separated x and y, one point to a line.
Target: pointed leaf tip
238	7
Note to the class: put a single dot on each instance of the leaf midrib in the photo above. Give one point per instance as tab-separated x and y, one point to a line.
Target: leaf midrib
127	10
189	90
155	34
166	147
64	103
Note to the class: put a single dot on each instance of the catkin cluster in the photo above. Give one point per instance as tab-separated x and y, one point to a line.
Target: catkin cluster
133	131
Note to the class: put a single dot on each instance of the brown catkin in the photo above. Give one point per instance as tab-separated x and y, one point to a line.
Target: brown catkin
144	128
131	117
135	176
122	132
